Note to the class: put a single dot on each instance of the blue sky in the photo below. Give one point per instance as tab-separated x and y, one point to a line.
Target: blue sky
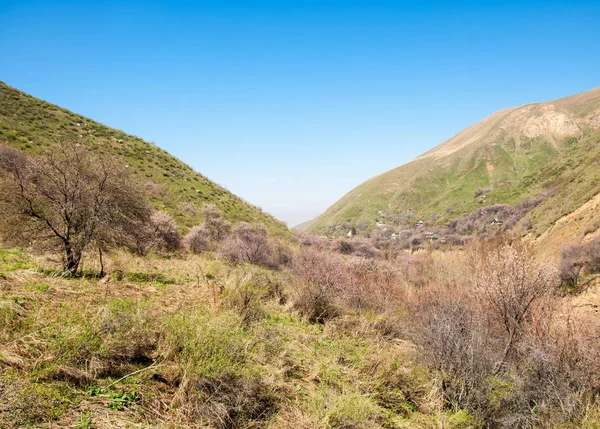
290	104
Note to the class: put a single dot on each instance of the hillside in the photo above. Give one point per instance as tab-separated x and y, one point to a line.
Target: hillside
514	154
33	124
304	226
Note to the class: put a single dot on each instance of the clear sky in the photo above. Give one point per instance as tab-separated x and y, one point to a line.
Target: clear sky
290	104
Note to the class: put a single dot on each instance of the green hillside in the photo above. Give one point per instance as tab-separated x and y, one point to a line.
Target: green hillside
33	124
511	155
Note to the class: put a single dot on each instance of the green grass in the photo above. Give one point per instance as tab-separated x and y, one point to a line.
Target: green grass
12	260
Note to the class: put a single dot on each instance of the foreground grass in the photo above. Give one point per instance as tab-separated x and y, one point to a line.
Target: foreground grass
195	343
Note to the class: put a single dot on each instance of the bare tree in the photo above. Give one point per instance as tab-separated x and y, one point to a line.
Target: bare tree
68	198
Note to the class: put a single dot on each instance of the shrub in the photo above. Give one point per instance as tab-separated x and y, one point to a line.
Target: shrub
283	254
498	347
577	259
356	246
572	262
365	249
165	231
248	243
344	246
321	274
374	284
593	262
198	239
457	343
218	227
511	283
160	233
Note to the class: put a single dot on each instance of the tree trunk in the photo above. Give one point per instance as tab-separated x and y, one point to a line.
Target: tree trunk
101	262
507	349
72	263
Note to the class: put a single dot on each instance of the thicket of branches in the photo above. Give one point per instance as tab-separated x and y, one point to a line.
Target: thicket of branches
490	321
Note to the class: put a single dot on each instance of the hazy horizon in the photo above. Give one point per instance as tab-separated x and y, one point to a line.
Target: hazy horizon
292	105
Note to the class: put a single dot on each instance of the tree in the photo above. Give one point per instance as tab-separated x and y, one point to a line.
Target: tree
69	198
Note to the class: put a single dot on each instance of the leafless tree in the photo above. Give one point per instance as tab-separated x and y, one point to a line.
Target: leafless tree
69	198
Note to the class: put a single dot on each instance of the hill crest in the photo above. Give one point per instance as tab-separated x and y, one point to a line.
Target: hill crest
509	156
32	124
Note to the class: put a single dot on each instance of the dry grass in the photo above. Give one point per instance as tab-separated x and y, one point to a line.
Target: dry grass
187	342
190	341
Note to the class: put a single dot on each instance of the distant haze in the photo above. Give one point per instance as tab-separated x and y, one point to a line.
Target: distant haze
292	104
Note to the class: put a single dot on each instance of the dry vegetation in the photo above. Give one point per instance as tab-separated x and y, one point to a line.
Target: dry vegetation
479	337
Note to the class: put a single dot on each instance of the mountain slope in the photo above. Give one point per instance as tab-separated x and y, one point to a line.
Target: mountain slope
32	124
304	226
513	154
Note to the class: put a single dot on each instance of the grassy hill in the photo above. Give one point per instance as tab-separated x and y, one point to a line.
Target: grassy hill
33	124
512	155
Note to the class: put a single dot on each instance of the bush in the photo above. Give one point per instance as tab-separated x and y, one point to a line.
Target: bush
166	236
578	259
248	243
365	249
499	348
511	283
214	222
321	274
356	246
160	233
572	262
283	254
456	342
198	239
344	246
